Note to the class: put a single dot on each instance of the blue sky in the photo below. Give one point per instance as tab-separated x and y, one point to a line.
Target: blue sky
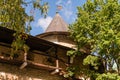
68	13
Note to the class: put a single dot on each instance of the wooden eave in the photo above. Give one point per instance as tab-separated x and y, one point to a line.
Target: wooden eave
6	36
52	33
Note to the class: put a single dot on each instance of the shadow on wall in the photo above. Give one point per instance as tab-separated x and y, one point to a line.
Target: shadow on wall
10	72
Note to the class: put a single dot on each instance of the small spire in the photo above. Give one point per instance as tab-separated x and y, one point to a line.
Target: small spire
57	12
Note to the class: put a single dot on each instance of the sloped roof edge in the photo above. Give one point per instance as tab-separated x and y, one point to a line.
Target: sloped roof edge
53	33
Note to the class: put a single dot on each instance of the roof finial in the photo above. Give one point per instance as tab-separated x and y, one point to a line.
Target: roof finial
59	7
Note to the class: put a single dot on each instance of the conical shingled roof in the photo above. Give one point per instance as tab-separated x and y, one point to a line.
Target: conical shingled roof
57	25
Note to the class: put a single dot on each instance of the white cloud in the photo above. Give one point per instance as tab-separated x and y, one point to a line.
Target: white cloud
69	2
59	2
67	10
68	13
44	22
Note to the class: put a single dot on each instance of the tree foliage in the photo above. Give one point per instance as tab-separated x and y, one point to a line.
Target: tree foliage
98	25
13	16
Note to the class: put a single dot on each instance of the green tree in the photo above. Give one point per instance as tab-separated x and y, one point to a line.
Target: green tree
98	25
14	16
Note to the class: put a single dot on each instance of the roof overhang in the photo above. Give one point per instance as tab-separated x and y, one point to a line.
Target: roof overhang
53	33
6	36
